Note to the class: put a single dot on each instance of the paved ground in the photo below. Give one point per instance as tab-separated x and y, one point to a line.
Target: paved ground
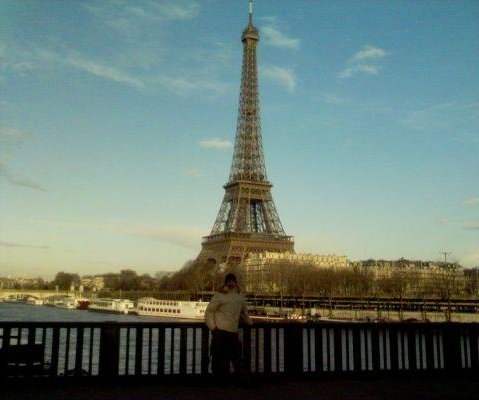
344	389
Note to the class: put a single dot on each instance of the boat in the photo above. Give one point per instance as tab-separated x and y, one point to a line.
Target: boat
34	301
60	302
115	306
149	306
67	302
83	304
11	299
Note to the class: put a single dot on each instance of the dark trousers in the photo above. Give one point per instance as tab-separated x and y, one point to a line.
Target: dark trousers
225	348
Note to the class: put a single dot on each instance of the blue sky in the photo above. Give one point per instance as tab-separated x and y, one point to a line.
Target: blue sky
118	118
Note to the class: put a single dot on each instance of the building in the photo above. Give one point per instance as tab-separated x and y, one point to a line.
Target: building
257	267
247	221
415	277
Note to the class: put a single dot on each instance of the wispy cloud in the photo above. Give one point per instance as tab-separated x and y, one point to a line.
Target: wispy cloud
368	69
11	62
183	236
18	179
471	226
285	77
194	172
365	61
460	120
215	143
76	60
10	139
179	85
333	99
186	237
185	86
471	201
368	52
144	10
273	37
15	245
11	135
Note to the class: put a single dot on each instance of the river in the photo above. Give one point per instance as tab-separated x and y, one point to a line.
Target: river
21	312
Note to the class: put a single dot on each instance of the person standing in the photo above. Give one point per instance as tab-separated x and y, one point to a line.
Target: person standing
222	316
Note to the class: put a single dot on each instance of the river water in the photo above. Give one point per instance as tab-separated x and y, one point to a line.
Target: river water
21	312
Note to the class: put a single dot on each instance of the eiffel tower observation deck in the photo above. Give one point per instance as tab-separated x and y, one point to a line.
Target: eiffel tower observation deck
247	220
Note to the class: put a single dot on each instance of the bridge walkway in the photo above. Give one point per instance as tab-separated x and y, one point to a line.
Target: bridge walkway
426	388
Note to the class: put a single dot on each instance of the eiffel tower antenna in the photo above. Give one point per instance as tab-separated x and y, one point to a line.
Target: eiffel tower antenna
250	12
247	220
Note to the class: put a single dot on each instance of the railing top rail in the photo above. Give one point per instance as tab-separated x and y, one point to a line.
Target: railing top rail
168	324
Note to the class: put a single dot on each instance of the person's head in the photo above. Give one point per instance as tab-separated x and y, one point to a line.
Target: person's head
230	281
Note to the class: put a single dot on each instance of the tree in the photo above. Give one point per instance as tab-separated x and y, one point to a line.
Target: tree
64	280
129	280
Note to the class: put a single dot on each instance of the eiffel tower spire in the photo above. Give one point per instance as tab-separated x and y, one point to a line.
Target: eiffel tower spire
247	220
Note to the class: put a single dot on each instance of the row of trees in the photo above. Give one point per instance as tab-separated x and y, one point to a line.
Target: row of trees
290	279
287	278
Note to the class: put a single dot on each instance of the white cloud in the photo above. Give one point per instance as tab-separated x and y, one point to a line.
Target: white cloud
215	143
368	52
365	62
365	68
282	76
275	38
472	201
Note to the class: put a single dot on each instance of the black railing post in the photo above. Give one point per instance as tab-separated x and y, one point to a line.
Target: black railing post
79	352
247	348
55	351
474	335
293	349
267	350
205	350
109	350
139	351
183	350
452	348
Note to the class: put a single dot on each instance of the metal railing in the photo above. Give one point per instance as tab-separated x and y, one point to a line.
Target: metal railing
62	349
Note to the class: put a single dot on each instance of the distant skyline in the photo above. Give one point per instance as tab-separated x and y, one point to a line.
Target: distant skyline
117	121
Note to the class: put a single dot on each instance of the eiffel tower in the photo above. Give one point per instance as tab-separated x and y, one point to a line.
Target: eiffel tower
247	220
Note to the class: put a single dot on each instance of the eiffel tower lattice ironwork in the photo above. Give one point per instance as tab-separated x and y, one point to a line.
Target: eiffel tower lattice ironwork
247	221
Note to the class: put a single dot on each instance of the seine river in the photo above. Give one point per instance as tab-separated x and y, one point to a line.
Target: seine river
20	312
30	313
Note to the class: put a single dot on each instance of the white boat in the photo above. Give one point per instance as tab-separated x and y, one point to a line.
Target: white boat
34	301
67	302
152	307
60	301
117	306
